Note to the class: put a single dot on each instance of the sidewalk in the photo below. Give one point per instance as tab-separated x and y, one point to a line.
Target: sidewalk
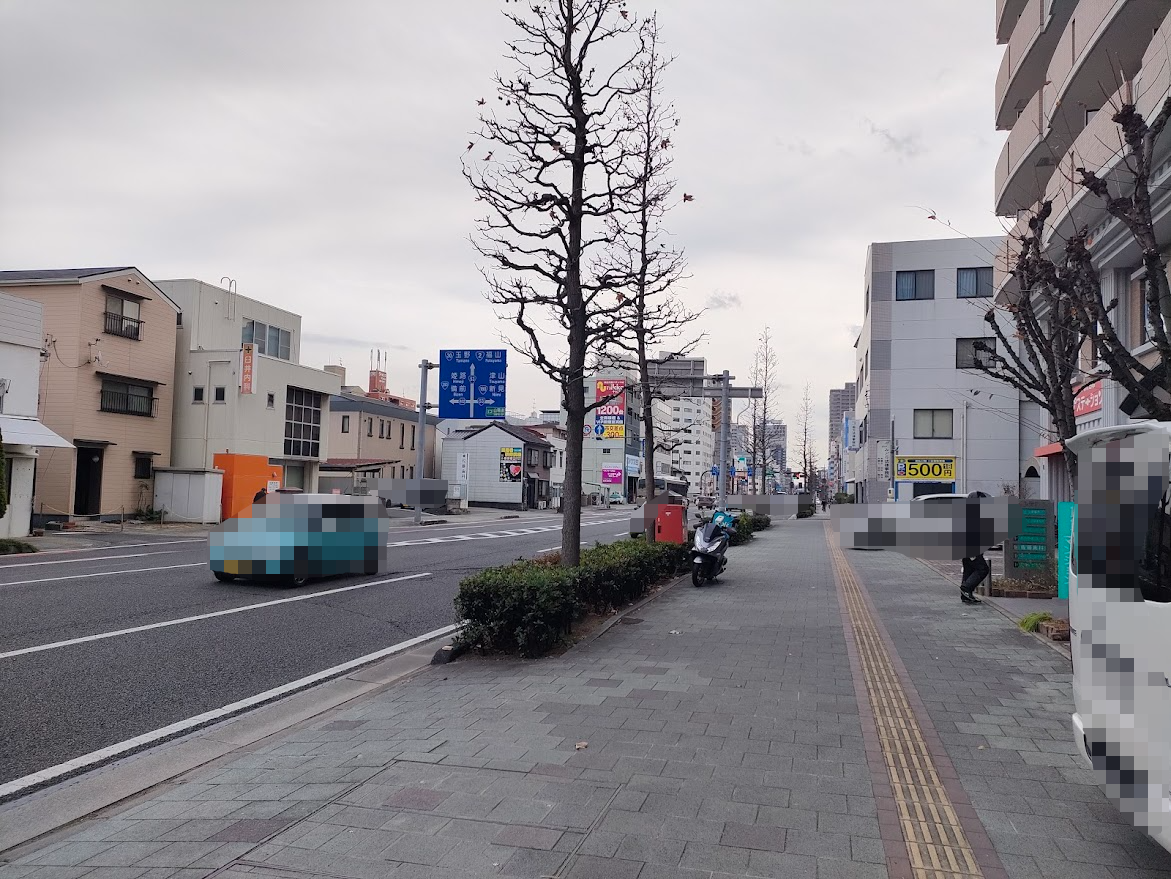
719	732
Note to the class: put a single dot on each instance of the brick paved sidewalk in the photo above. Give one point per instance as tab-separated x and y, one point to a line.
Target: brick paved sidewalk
724	739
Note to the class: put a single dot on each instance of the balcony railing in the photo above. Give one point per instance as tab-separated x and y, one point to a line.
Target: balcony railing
117	325
123	403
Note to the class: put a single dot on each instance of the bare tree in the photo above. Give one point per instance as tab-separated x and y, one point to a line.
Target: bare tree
553	174
1127	196
806	426
642	260
766	427
1041	358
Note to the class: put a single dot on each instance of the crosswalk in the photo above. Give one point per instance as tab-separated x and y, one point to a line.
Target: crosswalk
494	535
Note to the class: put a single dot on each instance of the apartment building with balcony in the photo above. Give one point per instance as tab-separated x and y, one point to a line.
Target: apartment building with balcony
1068	65
240	388
106	386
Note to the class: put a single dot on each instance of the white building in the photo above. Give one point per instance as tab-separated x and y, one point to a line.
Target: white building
927	419
498	465
279	411
21	338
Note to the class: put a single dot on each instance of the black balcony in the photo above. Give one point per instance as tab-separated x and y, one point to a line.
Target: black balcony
128	327
123	403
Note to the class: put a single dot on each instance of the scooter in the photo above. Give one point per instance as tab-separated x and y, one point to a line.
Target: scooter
709	555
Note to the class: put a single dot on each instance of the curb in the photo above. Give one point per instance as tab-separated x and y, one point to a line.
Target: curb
625	612
29	820
1052	645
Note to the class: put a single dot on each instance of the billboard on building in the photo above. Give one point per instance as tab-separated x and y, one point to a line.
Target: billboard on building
611	476
934	468
610	417
511	463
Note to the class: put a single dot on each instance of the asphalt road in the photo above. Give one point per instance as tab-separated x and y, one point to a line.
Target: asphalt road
62	700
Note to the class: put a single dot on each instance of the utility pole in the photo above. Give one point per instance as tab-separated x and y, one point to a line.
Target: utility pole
725	408
421	445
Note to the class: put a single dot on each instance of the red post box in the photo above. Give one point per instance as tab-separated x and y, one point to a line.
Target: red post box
671	524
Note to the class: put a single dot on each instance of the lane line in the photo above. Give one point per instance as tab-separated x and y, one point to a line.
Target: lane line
493	535
101	558
117	546
103	574
93	758
85	639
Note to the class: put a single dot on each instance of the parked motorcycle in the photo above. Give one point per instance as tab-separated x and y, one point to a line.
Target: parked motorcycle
709	555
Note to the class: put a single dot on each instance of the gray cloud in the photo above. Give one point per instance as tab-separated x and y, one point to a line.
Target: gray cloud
905	145
311	151
719	300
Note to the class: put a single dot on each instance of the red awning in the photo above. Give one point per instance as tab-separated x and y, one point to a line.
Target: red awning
1049	450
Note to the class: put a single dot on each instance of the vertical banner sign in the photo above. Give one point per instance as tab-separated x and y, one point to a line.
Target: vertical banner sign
472	383
1066	528
463	468
610	417
247	366
511	460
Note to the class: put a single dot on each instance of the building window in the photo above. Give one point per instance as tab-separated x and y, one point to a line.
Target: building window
402	436
402	472
370	426
127	398
122	317
272	401
413	437
534	457
974	353
932	424
915	285
303	423
269	340
345	424
220	394
974	283
412	473
142	467
381	429
197	394
1090	114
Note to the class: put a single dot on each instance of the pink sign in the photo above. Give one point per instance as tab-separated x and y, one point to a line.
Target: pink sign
1089	399
611	476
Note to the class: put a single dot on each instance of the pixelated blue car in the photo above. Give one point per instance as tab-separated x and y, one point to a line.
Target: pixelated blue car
295	538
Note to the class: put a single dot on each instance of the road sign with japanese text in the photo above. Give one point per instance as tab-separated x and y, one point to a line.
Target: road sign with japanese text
472	383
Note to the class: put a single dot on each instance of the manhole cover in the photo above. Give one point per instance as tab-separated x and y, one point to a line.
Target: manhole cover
630	621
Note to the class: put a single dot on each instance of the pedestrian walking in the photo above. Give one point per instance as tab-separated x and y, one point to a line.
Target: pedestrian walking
975	570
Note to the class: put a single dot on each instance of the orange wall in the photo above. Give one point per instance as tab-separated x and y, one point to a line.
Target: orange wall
244	475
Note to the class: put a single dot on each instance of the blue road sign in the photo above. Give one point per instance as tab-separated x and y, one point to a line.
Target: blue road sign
599	429
749	471
715	471
472	383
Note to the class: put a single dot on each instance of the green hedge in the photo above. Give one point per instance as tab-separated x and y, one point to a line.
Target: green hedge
9	546
528	607
747	524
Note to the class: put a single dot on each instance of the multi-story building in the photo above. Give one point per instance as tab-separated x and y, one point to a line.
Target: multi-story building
612	444
24	438
841	402
240	388
499	465
692	442
1068	65
556	436
107	386
929	420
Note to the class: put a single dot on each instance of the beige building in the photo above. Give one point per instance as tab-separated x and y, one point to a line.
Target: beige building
106	387
1068	66
240	388
373	438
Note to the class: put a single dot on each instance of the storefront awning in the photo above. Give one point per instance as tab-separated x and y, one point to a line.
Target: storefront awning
1049	450
533	475
30	432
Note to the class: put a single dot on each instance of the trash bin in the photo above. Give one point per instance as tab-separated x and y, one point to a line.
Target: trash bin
671	524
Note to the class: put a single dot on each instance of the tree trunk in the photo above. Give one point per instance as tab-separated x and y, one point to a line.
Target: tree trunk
571	492
648	427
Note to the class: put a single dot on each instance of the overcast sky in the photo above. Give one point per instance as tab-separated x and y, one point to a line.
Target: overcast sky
311	151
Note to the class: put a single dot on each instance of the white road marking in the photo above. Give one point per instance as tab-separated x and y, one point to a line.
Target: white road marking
103	574
182	726
493	535
203	616
100	558
122	546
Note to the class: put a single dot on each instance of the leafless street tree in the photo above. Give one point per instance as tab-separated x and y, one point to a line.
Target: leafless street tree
554	170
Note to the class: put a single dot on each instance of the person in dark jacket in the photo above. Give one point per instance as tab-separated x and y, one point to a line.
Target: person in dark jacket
260	496
975	570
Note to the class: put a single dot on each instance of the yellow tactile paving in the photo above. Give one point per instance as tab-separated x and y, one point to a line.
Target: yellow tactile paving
936	844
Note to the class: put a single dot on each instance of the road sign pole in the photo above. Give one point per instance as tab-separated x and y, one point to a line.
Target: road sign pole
421	443
724	407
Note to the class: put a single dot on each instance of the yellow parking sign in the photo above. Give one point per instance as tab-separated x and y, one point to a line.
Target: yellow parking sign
925	468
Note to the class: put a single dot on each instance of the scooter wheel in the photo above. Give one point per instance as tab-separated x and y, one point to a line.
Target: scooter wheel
696	575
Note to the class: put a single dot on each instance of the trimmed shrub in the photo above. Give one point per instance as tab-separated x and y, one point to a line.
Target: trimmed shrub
742	533
529	607
9	546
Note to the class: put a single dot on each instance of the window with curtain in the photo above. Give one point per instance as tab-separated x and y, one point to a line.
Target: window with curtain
933	424
974	283
973	353
918	284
